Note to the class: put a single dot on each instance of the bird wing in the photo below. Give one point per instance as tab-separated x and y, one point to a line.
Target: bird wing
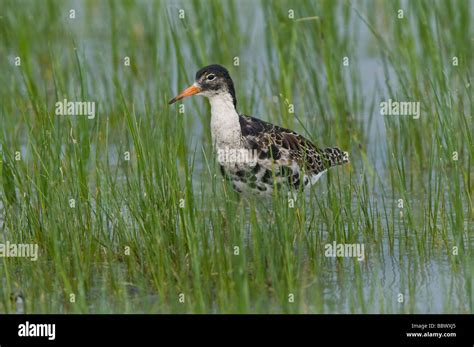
286	148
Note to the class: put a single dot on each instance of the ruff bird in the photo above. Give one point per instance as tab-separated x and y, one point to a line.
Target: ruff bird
257	156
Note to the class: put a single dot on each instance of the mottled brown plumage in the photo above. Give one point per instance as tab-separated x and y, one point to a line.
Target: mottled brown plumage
284	158
272	140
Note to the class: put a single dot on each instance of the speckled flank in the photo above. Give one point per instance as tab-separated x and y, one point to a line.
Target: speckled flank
284	159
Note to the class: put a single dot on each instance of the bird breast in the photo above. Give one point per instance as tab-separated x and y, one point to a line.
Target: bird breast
225	126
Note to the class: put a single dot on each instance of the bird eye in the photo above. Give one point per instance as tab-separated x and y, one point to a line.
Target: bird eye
210	77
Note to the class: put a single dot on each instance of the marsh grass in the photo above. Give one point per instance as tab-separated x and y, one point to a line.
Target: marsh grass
164	223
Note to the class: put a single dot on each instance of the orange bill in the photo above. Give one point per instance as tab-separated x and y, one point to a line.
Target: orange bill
187	92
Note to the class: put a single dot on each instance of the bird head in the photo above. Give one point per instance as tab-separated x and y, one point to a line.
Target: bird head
211	81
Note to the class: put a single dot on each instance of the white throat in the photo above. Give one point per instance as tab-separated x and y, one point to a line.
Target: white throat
225	125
